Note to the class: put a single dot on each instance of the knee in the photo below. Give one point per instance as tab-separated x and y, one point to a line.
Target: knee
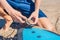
5	15
8	18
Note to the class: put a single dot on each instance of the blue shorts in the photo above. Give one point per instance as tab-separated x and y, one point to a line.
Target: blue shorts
26	8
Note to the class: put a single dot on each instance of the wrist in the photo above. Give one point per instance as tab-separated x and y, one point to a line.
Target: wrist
37	10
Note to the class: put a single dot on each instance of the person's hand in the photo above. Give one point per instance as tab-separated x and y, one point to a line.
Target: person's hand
34	17
17	16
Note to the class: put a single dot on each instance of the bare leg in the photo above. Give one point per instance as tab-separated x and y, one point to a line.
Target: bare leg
47	24
7	18
39	24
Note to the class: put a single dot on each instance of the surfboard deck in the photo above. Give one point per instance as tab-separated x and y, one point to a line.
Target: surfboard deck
39	34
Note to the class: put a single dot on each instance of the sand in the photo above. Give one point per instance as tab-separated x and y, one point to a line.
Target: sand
52	9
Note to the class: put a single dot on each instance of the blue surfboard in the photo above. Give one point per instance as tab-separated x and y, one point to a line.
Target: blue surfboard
39	34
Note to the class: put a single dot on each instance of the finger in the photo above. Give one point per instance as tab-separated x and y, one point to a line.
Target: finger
30	18
20	20
25	18
36	19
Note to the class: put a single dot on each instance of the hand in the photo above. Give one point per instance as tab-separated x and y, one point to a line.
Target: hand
17	16
34	17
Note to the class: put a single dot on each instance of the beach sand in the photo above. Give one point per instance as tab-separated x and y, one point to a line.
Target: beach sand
52	9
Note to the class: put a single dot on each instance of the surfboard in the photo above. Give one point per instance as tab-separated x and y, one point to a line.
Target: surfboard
39	34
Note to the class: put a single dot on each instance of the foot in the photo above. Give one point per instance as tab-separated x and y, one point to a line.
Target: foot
5	29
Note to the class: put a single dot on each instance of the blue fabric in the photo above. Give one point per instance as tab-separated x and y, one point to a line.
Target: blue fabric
2	23
25	6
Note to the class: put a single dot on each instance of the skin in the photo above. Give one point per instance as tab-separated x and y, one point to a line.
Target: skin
17	16
7	18
41	22
37	7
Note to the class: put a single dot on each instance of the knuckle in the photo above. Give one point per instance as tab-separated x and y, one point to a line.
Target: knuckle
22	22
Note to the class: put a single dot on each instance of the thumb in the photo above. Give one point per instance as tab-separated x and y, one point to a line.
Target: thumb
30	18
36	20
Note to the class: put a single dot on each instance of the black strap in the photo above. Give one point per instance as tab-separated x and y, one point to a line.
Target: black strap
19	32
